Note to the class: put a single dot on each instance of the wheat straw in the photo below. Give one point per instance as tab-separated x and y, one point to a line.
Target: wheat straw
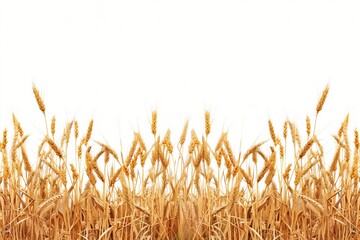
181	195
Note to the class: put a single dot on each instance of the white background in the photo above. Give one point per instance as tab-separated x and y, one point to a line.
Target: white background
245	61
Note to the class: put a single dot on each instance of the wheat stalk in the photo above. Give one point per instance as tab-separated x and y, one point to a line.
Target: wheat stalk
180	194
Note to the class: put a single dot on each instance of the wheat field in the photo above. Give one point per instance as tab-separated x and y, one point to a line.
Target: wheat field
179	187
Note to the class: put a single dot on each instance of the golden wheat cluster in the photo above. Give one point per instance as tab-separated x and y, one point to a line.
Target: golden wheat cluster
80	188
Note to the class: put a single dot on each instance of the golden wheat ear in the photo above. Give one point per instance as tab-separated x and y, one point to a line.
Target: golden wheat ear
207	123
153	122
38	98
322	99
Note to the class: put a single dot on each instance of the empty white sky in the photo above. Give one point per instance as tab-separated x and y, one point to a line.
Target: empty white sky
245	61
